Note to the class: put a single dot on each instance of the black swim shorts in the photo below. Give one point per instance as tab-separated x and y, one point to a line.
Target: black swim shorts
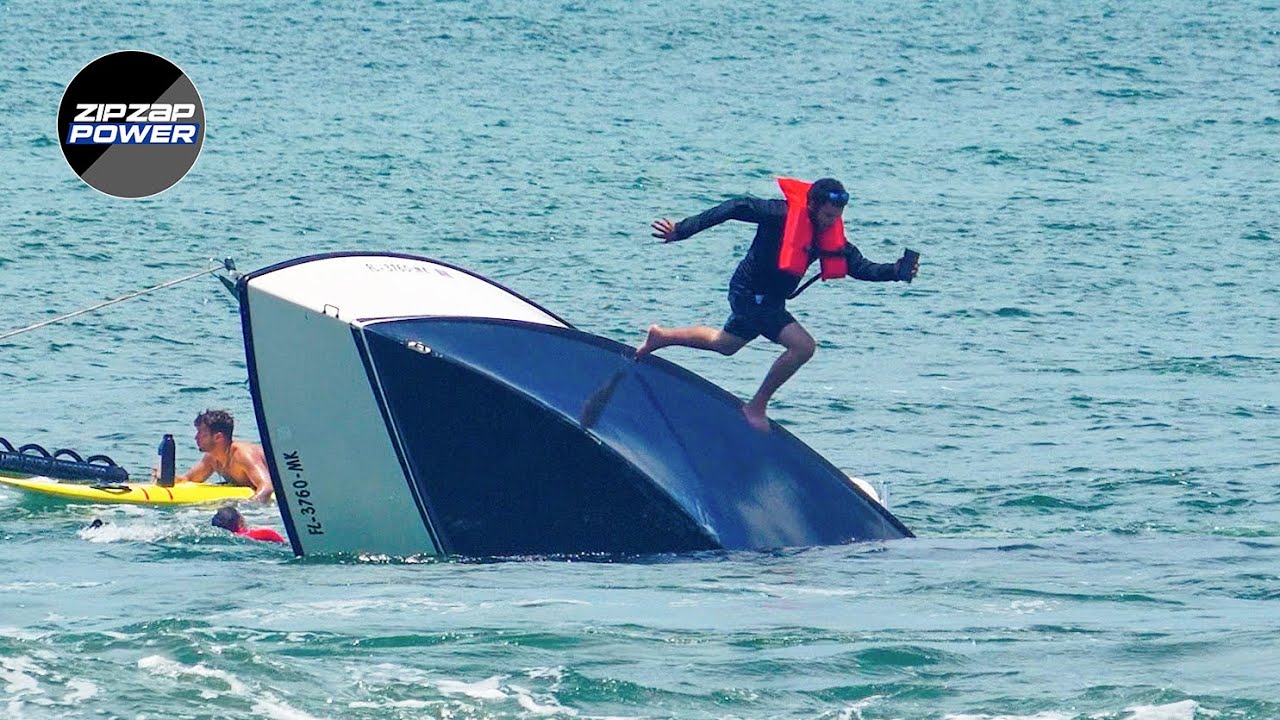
754	315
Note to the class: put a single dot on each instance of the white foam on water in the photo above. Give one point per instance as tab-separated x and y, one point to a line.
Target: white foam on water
495	689
115	532
351	608
853	711
17	673
411	704
1181	710
555	674
20	633
47	586
1037	716
788	591
22	677
391	673
1027	607
375	559
547	706
165	667
542	602
445	711
486	689
273	707
266	704
80	690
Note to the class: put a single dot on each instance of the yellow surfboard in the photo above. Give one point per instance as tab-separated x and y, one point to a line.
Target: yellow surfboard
132	493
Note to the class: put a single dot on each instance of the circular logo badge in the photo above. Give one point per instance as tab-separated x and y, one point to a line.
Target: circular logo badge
131	124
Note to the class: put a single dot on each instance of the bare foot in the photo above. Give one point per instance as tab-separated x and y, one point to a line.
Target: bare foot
652	341
756	417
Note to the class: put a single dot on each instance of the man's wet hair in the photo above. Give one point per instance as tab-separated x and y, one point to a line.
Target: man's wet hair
827	190
218	421
227	518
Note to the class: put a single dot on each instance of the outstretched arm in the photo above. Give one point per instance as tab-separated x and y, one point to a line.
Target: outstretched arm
197	474
746	209
665	229
863	269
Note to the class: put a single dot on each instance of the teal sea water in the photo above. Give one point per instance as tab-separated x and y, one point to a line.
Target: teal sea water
1076	406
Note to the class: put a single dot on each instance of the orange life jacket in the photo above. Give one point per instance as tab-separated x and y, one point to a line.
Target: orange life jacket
797	236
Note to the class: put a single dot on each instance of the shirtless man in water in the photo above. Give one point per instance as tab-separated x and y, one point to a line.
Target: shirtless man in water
240	462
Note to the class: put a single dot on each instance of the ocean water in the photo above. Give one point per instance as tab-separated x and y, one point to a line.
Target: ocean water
1076	406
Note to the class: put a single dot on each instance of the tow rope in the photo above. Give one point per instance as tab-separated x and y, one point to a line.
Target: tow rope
227	264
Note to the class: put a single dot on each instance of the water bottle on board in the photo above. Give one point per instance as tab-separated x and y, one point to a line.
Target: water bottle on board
166	461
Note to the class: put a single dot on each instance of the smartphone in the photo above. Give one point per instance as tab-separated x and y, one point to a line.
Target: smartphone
909	259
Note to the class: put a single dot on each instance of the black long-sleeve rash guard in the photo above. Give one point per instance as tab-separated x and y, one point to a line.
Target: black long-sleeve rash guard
758	272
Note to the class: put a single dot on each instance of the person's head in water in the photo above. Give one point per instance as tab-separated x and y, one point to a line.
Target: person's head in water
826	201
228	518
211	423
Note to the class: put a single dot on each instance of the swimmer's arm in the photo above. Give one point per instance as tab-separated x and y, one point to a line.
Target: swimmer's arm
197	474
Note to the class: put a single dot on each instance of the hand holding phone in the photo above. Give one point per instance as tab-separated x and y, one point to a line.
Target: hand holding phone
908	264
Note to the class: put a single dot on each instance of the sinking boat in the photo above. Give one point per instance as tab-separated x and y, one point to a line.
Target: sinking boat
408	406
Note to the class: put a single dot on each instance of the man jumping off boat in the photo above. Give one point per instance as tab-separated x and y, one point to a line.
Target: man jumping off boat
240	462
790	235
